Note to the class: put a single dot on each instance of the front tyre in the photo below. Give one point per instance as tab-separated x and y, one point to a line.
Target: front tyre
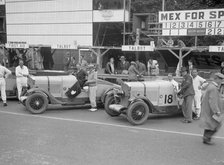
36	103
138	113
108	101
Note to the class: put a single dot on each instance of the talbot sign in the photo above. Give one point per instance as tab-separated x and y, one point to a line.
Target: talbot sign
216	48
137	48
19	45
64	46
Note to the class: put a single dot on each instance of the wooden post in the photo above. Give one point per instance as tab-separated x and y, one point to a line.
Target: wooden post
163	5
124	26
180	59
137	42
196	41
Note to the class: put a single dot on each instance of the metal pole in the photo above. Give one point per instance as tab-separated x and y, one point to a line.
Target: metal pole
196	41
163	5
124	27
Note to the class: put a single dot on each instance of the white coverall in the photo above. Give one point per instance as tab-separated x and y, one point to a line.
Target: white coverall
4	72
197	84
92	79
21	78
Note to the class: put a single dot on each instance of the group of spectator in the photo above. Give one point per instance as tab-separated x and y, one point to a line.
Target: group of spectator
34	58
21	73
134	69
170	43
206	105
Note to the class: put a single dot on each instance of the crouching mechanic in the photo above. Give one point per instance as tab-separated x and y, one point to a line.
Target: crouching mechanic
22	73
4	73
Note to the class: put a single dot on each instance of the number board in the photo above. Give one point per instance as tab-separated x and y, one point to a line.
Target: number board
192	22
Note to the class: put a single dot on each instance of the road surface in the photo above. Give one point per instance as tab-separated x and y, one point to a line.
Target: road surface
80	137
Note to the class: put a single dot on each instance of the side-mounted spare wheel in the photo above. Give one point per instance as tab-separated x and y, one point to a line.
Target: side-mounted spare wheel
108	101
37	103
137	112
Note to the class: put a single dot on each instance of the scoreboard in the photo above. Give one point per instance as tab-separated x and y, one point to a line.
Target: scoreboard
192	22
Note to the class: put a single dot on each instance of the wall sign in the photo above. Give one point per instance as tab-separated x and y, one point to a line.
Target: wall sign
19	45
192	22
216	48
137	48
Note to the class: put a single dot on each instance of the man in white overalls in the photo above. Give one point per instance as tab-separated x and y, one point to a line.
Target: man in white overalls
4	72
22	73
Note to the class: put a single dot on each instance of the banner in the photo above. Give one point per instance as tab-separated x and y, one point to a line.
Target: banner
192	22
19	45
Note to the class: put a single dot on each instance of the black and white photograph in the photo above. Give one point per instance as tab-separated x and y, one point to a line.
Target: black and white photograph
111	82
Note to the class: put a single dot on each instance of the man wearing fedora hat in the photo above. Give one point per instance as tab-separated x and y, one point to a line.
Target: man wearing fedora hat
187	92
123	66
212	110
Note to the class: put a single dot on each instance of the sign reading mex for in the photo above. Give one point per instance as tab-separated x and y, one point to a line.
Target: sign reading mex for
191	15
192	22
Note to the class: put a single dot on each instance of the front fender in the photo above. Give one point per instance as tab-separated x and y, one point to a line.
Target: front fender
107	93
51	98
146	100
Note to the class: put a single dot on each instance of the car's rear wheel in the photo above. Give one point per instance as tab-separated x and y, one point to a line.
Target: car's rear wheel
36	103
138	113
108	101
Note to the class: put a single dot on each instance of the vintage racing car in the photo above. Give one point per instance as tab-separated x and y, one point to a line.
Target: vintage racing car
11	89
136	100
45	90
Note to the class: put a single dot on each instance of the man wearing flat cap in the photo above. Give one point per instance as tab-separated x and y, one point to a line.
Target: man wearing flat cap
187	92
212	110
123	66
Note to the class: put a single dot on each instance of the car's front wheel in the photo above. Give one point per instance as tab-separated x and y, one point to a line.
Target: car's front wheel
36	103
138	113
110	99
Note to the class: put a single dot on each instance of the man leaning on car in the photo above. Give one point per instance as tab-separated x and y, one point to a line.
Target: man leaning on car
22	73
4	72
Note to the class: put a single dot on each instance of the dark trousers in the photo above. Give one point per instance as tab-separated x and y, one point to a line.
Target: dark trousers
208	134
187	107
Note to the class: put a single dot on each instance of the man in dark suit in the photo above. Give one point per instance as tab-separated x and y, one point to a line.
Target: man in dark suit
212	110
81	75
141	67
123	66
187	92
110	68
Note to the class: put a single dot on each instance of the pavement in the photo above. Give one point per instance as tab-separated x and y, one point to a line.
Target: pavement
68	136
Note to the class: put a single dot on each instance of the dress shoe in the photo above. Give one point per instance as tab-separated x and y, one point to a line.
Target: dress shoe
196	118
4	104
208	142
186	121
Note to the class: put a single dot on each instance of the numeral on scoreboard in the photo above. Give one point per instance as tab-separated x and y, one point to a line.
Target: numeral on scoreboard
201	25
174	25
219	31
182	25
210	32
218	23
191	24
210	24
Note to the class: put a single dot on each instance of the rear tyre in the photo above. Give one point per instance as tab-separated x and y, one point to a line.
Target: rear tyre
138	113
36	103
108	101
